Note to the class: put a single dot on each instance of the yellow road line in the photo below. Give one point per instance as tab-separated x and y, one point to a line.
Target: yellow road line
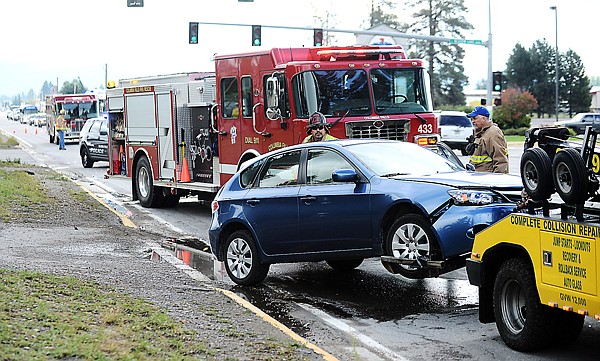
326	355
126	221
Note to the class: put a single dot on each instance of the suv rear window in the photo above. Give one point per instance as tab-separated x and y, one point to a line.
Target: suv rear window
456	120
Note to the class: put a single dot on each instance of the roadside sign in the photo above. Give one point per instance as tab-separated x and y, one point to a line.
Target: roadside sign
465	41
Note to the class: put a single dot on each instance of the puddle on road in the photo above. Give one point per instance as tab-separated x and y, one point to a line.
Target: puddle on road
194	253
357	294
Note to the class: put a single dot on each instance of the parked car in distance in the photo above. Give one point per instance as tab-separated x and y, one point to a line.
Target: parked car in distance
580	121
38	119
455	128
345	200
93	141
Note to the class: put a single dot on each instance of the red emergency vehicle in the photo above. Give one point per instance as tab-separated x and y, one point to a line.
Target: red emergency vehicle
78	108
184	134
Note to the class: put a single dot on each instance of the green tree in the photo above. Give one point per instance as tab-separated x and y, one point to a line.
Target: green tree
441	18
576	87
31	97
542	70
379	17
47	89
518	69
73	87
516	106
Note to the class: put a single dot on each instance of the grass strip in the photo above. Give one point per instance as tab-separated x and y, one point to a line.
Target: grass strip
50	317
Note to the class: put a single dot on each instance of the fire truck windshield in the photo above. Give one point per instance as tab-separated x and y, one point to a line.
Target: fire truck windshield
335	92
80	110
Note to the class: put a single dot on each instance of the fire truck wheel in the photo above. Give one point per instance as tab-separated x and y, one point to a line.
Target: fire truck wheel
569	175
523	322
536	174
144	186
344	264
86	162
410	239
241	259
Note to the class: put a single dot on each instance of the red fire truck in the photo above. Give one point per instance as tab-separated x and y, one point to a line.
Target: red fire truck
78	108
186	134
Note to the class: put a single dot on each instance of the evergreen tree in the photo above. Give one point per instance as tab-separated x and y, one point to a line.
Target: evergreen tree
542	72
73	87
518	69
379	17
576	85
441	18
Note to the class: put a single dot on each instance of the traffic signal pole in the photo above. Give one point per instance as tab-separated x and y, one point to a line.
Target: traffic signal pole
440	39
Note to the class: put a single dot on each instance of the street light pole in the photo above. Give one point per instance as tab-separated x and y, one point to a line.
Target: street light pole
488	97
556	59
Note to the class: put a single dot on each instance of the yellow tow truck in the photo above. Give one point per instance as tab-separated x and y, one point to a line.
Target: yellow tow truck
537	271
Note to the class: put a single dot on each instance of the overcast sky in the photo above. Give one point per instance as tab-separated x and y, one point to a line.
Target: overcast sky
64	39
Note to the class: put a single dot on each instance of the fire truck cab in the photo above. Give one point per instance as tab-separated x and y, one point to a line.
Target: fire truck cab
210	123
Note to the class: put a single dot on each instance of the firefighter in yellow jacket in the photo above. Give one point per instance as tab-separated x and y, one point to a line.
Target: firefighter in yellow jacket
317	129
61	127
491	151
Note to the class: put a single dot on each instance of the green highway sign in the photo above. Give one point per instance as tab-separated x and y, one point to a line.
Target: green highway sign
465	41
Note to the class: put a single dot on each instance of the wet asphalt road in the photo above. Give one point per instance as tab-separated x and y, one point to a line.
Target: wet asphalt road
379	316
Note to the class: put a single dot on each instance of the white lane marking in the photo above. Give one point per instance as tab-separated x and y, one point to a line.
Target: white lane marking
342	326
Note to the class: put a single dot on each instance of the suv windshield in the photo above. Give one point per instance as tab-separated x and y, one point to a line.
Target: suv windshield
455	120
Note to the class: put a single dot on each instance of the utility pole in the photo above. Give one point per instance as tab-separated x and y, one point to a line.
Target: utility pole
488	97
556	60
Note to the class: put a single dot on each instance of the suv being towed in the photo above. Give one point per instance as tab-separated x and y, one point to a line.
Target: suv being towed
93	142
455	128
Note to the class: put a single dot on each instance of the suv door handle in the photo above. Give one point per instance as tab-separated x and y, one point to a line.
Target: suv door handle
253	202
308	199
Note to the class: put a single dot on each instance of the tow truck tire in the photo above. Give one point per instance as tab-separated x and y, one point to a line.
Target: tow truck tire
410	238
536	174
522	321
344	264
148	195
241	259
569	176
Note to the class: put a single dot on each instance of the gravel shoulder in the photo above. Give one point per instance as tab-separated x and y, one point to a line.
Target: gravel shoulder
77	236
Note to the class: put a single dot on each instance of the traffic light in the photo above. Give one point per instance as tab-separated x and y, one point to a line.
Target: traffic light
483	101
193	33
497	102
318	37
256	35
497	81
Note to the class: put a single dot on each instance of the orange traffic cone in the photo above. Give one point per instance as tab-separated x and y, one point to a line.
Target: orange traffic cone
35	131
25	130
185	172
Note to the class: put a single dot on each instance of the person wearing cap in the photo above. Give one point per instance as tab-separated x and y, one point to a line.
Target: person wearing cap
61	126
491	152
317	129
